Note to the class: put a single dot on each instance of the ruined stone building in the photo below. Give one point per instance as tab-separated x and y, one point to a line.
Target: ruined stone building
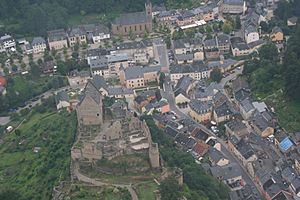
89	109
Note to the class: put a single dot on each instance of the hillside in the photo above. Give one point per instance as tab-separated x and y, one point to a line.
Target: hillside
35	17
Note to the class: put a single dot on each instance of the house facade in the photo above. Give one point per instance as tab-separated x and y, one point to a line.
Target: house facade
57	39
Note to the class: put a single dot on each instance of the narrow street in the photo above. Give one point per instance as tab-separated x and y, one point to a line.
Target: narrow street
168	94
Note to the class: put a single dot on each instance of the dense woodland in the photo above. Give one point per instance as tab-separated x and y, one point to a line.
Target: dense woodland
35	17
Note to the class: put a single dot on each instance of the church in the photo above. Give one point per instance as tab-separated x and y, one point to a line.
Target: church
134	23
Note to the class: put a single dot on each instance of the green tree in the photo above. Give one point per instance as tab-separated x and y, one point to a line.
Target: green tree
216	75
237	21
162	78
227	27
170	189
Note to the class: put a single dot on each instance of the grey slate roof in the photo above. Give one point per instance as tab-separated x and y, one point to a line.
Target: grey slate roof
200	107
76	32
184	57
227	172
198	66
99	63
182	85
223	110
234	2
236	125
99	82
215	155
57	35
62	96
138	71
135	45
38	41
132	18
91	91
247	105
276	29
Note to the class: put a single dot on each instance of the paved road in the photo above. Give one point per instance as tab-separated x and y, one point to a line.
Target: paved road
168	94
39	98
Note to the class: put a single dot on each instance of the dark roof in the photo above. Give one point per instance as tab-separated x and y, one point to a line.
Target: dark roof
245	149
247	105
38	41
57	35
135	45
276	29
226	172
260	122
234	2
223	110
170	131
223	39
99	82
215	155
199	66
138	71
61	96
239	83
132	18
200	107
99	63
199	134
183	85
91	91
236	125
76	32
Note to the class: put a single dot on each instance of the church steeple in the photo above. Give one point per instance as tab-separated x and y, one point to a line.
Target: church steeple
148	8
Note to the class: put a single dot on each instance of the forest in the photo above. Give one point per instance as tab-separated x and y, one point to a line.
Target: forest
35	17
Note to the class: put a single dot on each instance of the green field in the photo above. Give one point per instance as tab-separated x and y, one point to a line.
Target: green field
287	112
101	193
33	175
145	191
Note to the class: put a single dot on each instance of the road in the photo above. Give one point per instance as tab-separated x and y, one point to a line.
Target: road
39	98
168	94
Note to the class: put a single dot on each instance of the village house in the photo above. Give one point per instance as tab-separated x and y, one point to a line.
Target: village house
77	35
138	76
276	35
200	111
182	88
230	174
197	70
186	17
250	26
38	45
167	18
222	113
49	67
146	97
246	108
292	21
138	51
232	6
99	66
205	93
133	23
261	125
62	100
217	158
7	43
242	150
57	39
96	33
237	128
78	78
192	47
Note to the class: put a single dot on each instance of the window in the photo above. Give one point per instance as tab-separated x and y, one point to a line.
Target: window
125	29
140	27
98	114
135	28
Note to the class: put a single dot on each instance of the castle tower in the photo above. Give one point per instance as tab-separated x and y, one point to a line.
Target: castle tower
148	8
154	155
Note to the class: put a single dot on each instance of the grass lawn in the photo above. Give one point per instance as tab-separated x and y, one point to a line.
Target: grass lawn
288	112
145	191
30	174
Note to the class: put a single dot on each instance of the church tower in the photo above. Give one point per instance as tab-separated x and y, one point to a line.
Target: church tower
148	8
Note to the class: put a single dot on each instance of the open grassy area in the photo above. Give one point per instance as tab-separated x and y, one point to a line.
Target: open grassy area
31	174
103	193
145	191
287	112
